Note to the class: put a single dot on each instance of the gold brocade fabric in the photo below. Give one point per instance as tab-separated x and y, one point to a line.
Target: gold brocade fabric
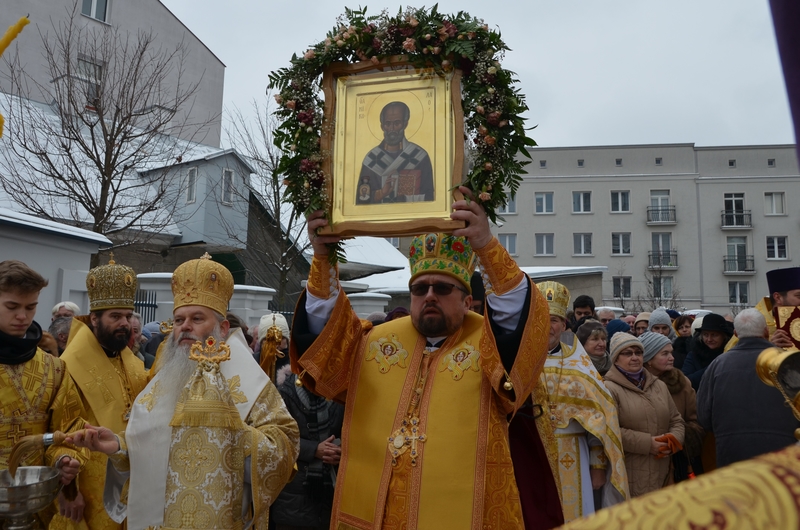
37	397
758	494
576	392
103	400
464	466
501	269
569	473
322	281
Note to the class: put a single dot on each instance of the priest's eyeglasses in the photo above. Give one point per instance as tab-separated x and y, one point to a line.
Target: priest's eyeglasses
439	288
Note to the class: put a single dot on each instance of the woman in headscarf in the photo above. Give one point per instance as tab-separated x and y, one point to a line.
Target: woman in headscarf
652	427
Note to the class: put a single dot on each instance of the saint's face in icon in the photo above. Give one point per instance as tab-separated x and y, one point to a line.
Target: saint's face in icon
388	350
393	123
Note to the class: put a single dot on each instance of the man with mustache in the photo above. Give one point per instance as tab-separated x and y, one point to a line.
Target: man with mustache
426	441
108	377
182	461
397	170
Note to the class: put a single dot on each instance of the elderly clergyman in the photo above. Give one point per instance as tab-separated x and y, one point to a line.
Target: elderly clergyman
222	473
428	396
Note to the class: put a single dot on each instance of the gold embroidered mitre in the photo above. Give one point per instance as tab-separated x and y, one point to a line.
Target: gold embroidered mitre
442	254
111	286
557	297
202	282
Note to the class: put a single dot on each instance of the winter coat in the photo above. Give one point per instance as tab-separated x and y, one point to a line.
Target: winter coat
685	398
295	505
680	349
698	360
644	413
747	417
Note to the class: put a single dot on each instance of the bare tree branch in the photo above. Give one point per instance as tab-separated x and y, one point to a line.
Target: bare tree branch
111	113
270	219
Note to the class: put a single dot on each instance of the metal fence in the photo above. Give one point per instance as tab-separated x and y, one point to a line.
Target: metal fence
145	304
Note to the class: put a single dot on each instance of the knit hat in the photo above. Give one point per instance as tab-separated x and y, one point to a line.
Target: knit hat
587	328
659	316
620	341
644	315
698	321
616	326
653	343
673	314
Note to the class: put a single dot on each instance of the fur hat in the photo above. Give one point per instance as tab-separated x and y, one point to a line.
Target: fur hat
620	341
715	322
653	343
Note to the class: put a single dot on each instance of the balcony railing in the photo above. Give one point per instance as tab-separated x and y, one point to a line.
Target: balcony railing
663	259
739	264
737	219
661	215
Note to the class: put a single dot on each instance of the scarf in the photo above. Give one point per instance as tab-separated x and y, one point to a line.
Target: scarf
637	378
18	350
320	477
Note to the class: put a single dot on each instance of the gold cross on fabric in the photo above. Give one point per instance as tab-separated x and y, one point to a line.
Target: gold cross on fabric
15	433
99	382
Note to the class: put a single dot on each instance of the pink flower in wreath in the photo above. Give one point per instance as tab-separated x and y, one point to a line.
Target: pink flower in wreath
290	104
409	45
484	196
309	55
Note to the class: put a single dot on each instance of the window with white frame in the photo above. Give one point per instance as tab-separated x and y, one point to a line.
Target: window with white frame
544	201
774	203
191	185
509	242
510	206
662	287
227	186
582	244
395	241
622	286
776	247
738	292
90	71
95	8
544	245
620	201
621	243
581	202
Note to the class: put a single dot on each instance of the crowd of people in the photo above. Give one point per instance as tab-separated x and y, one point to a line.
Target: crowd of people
491	399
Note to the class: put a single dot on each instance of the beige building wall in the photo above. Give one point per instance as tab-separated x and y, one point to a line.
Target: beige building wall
200	66
680	244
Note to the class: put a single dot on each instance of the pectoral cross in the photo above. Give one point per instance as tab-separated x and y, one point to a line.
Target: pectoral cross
406	438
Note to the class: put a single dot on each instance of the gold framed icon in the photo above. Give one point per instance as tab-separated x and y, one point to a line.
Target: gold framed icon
393	145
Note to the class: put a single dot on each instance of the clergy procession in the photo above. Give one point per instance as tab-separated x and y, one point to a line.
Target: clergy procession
451	418
490	396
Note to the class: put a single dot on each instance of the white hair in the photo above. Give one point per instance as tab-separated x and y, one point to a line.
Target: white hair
750	323
177	367
69	305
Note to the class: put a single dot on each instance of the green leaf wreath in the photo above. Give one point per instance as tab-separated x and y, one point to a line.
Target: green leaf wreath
492	104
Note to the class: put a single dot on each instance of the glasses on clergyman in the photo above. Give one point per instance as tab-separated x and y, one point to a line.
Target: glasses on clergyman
439	288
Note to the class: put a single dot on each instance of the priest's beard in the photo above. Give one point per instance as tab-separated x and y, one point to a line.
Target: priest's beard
114	340
177	367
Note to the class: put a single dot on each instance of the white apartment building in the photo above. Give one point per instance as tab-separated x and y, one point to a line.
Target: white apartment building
677	225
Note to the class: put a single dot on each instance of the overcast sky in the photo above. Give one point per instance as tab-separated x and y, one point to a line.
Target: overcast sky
594	73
